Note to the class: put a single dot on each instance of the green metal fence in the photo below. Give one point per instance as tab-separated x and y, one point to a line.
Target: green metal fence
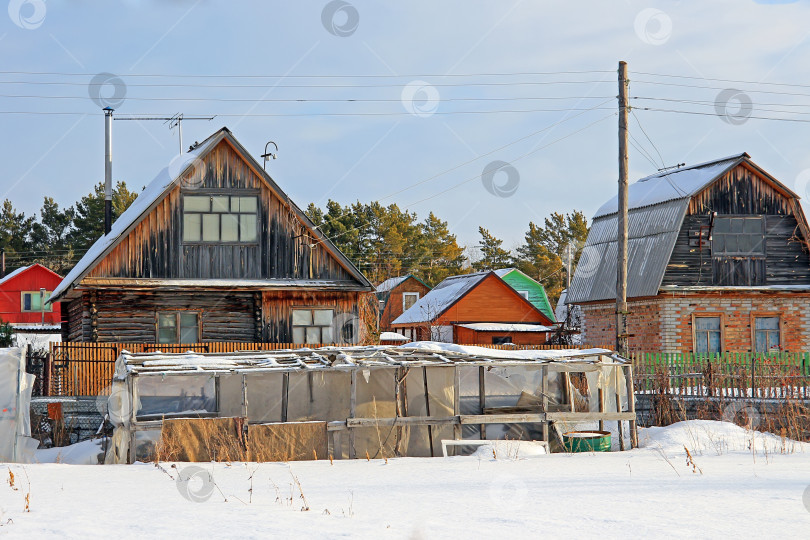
753	375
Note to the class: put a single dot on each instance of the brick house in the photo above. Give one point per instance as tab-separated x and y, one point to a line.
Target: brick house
718	261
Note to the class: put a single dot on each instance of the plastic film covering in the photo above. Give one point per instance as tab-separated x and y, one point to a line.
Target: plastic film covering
174	394
264	396
145	443
440	388
517	386
16	444
376	399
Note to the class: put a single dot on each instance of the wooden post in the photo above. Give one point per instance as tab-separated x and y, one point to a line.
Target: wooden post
544	391
457	435
618	393
622	233
427	409
285	388
244	398
352	412
601	408
482	398
631	405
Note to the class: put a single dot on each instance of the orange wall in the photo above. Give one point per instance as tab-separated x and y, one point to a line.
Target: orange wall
492	300
467	336
393	307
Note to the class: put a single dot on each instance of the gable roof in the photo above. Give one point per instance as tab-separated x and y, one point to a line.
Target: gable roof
445	294
14	274
24	269
674	184
539	299
657	207
394	282
162	184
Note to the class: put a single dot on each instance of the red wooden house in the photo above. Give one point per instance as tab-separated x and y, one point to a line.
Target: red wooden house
478	308
24	295
396	295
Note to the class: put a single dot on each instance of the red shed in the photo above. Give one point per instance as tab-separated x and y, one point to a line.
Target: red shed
21	300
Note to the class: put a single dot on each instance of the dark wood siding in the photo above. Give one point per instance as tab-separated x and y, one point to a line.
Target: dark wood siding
130	316
285	249
740	192
277	308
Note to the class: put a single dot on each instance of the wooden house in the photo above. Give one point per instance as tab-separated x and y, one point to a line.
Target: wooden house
528	288
25	295
718	261
396	295
479	308
213	250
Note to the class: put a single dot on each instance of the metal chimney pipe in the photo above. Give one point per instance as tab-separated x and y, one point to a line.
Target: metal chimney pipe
108	112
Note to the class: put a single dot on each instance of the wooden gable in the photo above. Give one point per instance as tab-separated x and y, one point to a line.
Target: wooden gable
393	303
748	191
286	247
492	300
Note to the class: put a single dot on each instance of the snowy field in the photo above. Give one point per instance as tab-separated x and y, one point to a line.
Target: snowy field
727	490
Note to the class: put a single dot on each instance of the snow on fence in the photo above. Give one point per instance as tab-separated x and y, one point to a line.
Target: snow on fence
359	401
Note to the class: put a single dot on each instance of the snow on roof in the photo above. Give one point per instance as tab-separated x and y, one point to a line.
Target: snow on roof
131	216
391	283
672	184
392	336
507	327
153	193
440	298
14	274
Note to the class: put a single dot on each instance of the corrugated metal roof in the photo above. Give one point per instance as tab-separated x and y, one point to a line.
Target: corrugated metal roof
672	184
652	234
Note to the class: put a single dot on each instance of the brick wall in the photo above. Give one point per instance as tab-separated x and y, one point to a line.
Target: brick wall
664	323
644	324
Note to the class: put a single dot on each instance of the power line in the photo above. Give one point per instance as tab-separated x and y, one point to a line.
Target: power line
663	163
550	126
800	120
515	159
735	81
301	76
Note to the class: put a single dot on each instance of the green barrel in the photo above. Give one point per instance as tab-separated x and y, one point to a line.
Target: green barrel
587	441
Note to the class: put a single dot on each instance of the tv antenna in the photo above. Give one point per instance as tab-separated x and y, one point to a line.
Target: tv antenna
174	121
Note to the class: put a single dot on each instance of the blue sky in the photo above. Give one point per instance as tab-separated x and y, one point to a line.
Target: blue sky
435	52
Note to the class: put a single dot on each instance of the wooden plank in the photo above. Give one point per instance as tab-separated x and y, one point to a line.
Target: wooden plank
401	421
482	399
588	416
544	391
504	418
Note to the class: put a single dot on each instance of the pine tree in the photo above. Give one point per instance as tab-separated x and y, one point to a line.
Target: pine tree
88	220
50	237
493	256
15	235
542	256
438	253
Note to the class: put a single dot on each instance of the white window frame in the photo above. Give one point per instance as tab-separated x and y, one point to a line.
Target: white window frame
407	294
524	294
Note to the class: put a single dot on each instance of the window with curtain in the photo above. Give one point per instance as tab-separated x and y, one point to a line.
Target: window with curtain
409	299
766	334
32	301
220	218
178	327
312	325
708	335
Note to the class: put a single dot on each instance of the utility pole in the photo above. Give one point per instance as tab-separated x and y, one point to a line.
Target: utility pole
621	278
108	115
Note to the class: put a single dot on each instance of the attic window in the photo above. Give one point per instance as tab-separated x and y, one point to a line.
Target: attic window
742	236
220	218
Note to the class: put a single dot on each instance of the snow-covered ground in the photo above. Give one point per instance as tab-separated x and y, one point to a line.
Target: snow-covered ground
727	490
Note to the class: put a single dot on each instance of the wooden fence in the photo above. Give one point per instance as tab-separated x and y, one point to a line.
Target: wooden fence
725	375
86	369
